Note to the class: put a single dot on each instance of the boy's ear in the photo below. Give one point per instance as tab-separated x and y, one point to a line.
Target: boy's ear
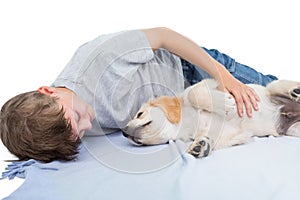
47	90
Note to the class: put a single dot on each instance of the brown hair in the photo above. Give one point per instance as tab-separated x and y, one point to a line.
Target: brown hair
32	125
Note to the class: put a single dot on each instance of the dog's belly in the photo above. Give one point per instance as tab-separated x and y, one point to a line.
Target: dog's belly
264	121
190	123
239	130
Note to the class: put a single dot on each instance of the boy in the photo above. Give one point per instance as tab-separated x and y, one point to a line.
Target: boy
106	82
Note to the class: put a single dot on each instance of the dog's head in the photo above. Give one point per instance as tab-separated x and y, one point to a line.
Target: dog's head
155	122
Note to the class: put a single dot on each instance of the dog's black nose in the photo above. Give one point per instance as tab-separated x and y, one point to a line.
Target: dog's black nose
125	134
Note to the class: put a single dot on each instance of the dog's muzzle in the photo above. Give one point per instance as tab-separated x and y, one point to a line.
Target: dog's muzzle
131	138
125	134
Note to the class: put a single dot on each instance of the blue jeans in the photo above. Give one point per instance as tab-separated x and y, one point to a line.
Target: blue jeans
241	72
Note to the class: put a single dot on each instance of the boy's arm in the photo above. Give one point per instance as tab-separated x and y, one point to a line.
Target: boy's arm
190	51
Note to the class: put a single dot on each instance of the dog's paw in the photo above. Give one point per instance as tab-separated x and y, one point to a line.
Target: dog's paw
201	147
294	94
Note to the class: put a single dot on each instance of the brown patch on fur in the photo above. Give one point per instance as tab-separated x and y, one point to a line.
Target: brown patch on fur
171	107
290	113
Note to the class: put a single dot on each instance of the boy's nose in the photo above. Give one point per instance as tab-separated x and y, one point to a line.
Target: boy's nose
86	125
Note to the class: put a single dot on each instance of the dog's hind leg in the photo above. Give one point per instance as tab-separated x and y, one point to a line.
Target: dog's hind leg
294	93
284	88
287	95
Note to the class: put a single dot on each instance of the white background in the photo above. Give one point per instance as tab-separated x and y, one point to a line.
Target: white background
38	38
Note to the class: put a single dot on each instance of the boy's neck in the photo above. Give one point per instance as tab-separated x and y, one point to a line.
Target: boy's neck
64	89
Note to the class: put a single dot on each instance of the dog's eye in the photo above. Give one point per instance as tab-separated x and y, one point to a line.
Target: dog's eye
139	114
148	123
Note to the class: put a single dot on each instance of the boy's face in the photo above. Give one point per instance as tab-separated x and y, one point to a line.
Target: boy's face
77	111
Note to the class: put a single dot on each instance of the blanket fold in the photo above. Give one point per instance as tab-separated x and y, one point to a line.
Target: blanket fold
19	169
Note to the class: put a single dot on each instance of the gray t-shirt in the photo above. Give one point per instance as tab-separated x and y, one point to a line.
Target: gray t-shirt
117	73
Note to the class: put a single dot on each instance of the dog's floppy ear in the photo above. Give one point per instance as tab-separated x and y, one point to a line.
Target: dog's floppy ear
171	107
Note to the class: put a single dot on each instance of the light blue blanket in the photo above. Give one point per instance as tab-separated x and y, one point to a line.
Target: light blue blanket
109	167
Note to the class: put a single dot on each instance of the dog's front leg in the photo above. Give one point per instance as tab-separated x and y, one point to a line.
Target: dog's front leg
203	96
201	147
